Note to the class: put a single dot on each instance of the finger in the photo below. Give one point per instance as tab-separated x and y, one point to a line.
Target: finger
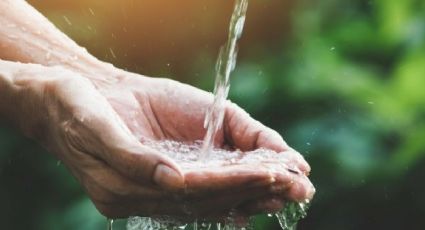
299	188
94	127
145	208
100	177
290	158
227	178
221	204
246	133
147	165
295	159
263	205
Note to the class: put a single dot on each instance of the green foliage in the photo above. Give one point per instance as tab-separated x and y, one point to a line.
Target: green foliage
349	95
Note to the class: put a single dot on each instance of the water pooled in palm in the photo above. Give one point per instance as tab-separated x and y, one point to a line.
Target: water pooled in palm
202	154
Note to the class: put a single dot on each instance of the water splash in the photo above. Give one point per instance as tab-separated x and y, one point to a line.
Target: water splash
147	223
110	224
226	63
291	214
144	223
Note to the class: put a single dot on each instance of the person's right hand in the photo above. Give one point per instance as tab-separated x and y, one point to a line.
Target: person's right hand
75	121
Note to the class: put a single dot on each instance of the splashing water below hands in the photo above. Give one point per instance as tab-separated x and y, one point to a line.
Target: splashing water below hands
291	214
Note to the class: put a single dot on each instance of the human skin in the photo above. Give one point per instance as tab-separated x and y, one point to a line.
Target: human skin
93	117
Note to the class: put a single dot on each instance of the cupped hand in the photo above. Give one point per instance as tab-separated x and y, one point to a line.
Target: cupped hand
97	130
163	109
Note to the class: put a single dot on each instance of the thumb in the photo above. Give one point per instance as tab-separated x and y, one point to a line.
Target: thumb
93	127
144	164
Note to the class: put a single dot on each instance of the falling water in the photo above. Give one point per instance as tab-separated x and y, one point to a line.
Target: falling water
110	223
291	214
226	63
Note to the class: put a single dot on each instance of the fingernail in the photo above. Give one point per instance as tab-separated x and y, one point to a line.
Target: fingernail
168	177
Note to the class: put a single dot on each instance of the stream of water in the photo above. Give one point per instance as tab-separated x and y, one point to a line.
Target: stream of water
226	63
203	154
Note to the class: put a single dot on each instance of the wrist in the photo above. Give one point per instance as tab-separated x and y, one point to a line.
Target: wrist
18	102
100	73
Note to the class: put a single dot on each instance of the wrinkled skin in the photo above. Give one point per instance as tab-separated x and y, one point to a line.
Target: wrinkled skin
96	129
93	117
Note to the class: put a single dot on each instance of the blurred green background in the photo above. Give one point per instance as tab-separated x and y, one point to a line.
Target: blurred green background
342	81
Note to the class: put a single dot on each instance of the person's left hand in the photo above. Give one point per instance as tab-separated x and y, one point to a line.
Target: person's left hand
163	109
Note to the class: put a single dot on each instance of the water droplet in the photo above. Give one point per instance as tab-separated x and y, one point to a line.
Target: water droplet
112	53
239	26
308	143
110	224
67	20
58	163
332	48
371	102
91	11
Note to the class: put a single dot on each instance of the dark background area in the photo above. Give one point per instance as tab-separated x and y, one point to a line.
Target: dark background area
342	81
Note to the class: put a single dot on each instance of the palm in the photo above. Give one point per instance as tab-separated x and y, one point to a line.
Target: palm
161	109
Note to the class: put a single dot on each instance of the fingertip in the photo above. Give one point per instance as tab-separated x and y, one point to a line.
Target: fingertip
300	161
301	190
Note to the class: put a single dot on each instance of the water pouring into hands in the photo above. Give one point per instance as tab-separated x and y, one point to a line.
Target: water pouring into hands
98	120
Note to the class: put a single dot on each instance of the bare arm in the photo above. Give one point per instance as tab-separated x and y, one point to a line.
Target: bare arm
27	36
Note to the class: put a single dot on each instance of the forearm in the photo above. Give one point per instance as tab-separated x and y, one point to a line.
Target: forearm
27	36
